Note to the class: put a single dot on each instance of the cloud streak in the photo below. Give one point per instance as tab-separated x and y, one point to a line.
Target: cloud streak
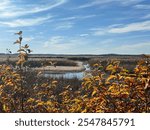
54	40
64	25
78	17
58	43
133	27
11	9
142	6
119	28
25	22
100	2
146	16
73	26
134	48
64	44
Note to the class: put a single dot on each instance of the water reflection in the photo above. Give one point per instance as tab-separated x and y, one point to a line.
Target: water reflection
68	75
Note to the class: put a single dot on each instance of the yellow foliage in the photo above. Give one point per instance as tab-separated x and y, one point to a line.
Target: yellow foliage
48	103
110	78
54	82
30	100
121	91
110	67
94	92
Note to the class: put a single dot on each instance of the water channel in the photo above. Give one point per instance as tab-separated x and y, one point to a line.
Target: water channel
69	75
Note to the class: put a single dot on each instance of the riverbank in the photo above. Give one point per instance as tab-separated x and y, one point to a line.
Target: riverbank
62	69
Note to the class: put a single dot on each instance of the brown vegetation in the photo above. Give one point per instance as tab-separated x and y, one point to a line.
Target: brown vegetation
111	88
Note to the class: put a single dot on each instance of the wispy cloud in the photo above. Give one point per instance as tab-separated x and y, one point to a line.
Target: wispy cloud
75	27
99	31
140	6
68	18
4	4
78	17
133	27
94	3
25	22
64	25
11	8
137	48
66	45
58	44
53	41
128	48
84	35
129	2
120	28
146	16
12	12
100	2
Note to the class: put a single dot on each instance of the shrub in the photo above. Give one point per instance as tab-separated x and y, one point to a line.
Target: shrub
111	88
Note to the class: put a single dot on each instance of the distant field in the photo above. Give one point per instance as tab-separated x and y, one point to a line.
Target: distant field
3	57
40	60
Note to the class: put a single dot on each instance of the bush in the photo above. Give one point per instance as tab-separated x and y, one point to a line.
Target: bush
110	88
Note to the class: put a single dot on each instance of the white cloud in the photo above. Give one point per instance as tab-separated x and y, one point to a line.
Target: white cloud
66	45
78	17
4	4
25	22
142	6
120	28
115	25
84	35
139	26
87	16
128	48
129	2
58	44
12	31
146	16
93	3
68	18
102	2
99	31
82	45
11	8
64	25
137	48
53	41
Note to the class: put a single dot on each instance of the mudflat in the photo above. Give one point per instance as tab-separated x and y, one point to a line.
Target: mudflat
59	69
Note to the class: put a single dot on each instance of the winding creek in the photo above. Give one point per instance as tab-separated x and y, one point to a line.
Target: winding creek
68	75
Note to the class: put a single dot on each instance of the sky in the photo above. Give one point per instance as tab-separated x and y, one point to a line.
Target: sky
76	26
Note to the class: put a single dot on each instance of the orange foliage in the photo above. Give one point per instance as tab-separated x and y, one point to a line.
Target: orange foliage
111	88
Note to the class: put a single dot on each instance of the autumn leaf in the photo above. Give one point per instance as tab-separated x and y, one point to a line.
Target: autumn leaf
111	77
84	111
94	92
110	67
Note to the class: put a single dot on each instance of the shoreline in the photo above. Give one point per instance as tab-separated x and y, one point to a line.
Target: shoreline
62	69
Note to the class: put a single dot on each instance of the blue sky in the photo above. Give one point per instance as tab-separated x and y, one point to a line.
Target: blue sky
77	26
